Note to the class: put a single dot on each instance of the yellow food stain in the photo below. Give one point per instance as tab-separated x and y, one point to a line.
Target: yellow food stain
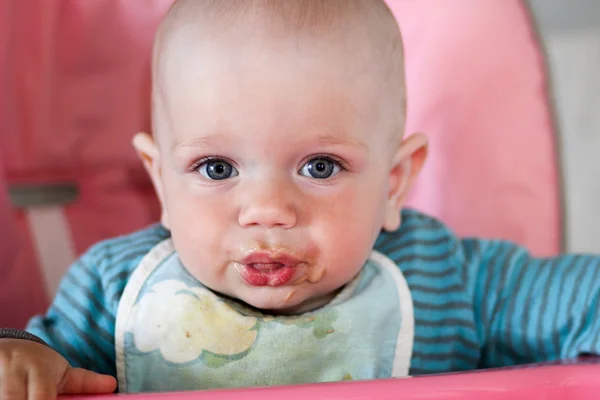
316	274
300	280
290	294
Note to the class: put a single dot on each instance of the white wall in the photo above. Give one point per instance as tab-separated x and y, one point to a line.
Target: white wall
570	31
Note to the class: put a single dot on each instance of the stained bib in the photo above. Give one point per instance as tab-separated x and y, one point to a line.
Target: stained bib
173	333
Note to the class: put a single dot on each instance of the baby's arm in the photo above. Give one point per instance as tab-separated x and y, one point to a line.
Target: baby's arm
80	322
76	332
533	309
79	326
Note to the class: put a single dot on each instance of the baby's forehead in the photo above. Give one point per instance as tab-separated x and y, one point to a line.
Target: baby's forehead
197	34
191	22
291	15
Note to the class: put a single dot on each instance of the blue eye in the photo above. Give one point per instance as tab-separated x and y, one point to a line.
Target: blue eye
320	168
217	170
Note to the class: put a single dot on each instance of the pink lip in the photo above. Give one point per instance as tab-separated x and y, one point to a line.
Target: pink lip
268	269
270	258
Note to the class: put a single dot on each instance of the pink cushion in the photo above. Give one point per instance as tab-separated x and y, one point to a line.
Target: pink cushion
477	86
77	90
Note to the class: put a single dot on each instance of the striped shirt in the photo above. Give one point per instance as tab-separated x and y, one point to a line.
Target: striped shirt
477	303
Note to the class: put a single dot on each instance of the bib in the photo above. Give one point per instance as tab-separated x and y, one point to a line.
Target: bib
173	333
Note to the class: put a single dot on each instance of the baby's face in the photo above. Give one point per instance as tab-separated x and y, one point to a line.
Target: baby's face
276	168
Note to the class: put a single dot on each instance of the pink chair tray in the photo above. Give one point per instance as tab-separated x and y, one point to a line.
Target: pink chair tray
577	379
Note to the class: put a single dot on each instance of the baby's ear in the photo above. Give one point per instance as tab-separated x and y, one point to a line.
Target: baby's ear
406	166
148	152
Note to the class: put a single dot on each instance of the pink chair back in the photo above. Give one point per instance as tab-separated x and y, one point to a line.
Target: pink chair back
478	86
76	89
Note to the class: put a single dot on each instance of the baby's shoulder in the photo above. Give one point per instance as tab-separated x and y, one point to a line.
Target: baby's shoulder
424	243
115	258
418	233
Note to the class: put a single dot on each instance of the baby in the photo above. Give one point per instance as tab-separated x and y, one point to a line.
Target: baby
283	255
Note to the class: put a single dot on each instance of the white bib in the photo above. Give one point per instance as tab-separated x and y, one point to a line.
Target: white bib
172	333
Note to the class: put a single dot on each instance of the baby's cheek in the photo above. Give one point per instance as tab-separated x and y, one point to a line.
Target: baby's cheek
356	222
343	234
197	229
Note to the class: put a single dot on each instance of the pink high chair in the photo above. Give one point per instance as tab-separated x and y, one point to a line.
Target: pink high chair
75	75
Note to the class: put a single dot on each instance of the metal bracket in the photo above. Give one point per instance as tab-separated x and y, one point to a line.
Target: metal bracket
42	195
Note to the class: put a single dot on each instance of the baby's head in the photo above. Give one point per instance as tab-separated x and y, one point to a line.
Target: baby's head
277	151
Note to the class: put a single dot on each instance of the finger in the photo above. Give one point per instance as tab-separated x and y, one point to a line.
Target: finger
40	387
13	385
82	381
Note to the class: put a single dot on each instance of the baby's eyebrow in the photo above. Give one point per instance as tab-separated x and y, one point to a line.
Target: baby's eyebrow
334	140
204	141
321	140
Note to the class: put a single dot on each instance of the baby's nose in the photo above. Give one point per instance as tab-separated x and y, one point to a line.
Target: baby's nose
268	206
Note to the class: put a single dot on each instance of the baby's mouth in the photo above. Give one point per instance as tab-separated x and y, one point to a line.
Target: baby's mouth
266	266
267	274
268	269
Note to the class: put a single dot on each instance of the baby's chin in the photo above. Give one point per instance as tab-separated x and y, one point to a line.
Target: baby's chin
287	300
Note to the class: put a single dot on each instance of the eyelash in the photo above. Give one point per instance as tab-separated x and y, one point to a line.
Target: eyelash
205	160
341	163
